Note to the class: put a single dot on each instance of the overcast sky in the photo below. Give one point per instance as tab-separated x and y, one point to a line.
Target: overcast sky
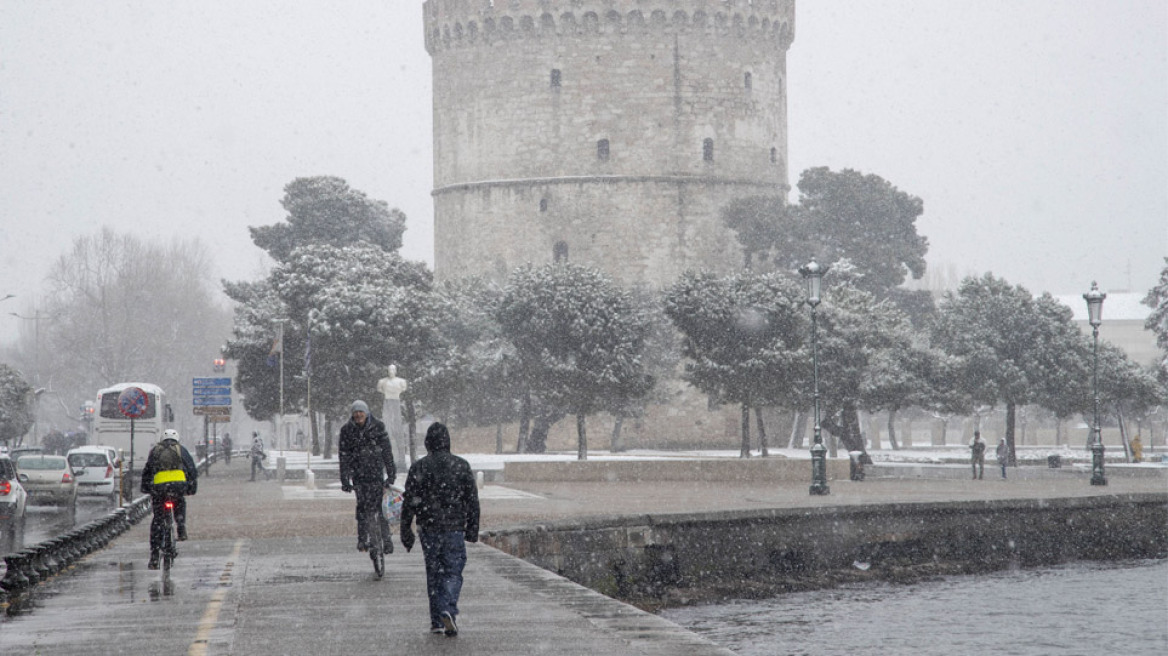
1036	131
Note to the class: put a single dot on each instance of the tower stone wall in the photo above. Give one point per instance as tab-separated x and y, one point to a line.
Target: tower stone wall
609	132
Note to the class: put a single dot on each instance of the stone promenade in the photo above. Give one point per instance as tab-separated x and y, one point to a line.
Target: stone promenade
273	569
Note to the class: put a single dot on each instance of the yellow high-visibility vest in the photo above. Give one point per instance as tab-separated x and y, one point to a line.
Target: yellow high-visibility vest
170	476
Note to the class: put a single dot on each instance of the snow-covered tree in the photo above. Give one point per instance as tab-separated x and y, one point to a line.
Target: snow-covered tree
15	411
578	340
745	338
1013	349
325	210
1157	322
351	311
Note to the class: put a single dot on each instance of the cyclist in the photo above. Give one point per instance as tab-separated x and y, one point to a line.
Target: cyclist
366	467
169	474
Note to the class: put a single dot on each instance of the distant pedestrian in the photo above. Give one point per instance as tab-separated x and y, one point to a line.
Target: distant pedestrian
977	449
227	448
257	455
442	495
1003	453
1137	449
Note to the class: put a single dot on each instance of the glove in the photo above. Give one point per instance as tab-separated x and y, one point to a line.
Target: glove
346	487
387	483
472	537
407	538
192	489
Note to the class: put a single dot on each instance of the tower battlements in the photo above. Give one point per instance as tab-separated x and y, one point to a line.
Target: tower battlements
468	23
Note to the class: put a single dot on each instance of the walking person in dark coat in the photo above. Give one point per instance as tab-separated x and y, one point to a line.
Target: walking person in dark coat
977	449
441	494
1003	454
367	468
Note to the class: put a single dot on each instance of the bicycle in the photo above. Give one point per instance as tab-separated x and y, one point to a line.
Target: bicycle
169	537
376	540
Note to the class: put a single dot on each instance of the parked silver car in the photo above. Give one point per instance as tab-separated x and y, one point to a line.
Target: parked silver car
48	480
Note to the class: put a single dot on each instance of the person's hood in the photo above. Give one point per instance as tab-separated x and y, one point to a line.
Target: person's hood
437	438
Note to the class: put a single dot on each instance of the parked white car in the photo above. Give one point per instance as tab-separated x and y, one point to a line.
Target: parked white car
96	471
13	498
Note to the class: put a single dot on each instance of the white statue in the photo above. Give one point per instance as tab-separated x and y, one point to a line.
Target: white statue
391	388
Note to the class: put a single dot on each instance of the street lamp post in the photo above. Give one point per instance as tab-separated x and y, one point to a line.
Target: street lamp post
36	323
1094	300
813	274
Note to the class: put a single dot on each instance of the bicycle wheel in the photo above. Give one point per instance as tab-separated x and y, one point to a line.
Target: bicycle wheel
169	540
376	543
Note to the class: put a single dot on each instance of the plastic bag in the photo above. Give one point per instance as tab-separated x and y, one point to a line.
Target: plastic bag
391	503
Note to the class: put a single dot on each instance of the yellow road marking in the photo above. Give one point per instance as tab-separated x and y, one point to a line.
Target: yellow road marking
211	614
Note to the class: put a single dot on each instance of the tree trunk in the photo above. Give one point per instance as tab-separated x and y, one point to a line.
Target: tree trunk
850	425
582	438
537	441
328	438
1058	431
744	452
1011	418
798	430
1127	454
892	430
499	437
617	445
315	433
762	438
524	423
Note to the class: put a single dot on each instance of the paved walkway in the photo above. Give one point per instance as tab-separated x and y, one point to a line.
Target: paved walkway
273	570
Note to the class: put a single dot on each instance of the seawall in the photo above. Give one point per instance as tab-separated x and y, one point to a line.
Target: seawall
669	559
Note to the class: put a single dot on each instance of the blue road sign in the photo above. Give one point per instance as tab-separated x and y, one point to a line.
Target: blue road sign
212	400
212	391
212	382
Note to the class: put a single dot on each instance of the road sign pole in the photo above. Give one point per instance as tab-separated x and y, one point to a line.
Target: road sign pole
130	492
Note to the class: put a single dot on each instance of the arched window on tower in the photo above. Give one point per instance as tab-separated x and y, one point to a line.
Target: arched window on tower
774	155
707	150
746	81
555	78
602	150
560	252
542	204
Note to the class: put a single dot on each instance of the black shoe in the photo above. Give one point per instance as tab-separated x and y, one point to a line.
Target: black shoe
182	534
438	630
451	628
154	558
361	546
388	545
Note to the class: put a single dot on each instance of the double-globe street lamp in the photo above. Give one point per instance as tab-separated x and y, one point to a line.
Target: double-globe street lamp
1094	300
813	273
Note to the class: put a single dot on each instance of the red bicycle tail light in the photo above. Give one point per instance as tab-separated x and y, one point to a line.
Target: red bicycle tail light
168	504
5	488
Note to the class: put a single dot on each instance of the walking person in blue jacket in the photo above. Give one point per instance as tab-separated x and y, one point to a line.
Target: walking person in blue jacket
441	494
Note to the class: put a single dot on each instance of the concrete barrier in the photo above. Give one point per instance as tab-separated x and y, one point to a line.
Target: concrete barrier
646	557
773	468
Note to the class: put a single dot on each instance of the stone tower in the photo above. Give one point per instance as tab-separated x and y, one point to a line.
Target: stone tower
607	132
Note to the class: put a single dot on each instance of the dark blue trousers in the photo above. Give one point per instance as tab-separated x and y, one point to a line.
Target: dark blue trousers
445	555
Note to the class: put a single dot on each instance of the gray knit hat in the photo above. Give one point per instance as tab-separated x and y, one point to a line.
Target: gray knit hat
359	406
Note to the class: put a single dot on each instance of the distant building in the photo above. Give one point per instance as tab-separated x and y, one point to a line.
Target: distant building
609	133
1123	324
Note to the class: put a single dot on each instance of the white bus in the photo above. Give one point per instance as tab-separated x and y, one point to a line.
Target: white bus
112	428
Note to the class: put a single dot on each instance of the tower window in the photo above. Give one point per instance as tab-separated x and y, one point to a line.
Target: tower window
774	155
555	78
542	204
602	150
746	81
560	252
708	150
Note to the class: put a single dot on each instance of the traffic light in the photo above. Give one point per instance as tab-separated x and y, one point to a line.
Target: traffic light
220	365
